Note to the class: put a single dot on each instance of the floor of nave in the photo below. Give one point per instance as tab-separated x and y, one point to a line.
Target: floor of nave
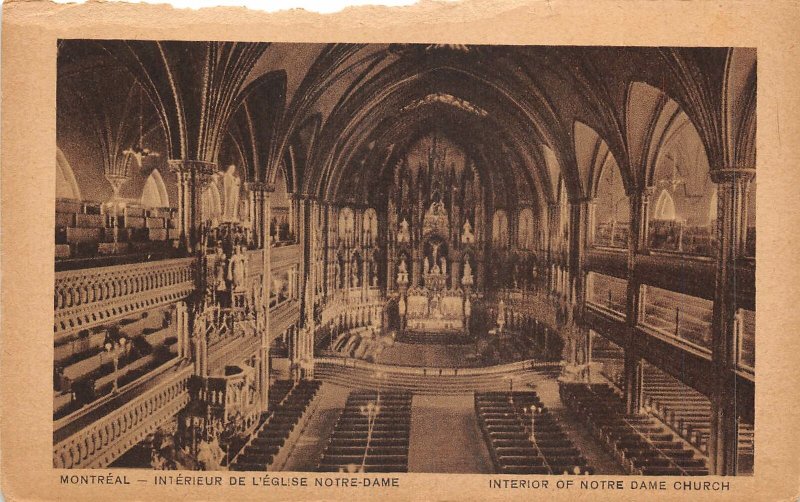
445	436
431	356
308	450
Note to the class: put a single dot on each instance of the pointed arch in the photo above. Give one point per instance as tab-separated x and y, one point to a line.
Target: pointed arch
211	202
66	184
665	207
154	193
653	120
739	108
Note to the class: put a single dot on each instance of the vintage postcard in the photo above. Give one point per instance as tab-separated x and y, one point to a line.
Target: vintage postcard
472	251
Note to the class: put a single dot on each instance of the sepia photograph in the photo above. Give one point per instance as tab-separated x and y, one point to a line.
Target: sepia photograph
404	258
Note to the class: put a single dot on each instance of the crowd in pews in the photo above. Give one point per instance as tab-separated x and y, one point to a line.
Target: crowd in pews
642	444
371	434
260	452
523	437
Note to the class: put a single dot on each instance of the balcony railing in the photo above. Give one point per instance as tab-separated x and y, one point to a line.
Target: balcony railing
90	297
104	440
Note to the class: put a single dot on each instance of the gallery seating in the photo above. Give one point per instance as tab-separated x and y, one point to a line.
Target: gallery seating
84	370
85	229
642	444
268	440
384	448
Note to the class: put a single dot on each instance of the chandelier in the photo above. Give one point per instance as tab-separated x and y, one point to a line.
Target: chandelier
138	151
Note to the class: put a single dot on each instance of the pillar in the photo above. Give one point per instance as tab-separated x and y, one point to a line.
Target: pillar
263	190
732	187
182	328
633	365
193	177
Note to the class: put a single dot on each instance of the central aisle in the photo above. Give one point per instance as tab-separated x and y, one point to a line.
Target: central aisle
445	436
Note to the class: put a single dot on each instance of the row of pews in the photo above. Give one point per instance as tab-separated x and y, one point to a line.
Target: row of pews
354	447
685	410
506	421
87	229
642	444
259	454
688	412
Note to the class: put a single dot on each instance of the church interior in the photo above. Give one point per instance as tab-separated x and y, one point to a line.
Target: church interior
404	258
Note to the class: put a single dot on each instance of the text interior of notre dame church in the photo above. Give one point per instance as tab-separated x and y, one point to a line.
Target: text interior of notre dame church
429	258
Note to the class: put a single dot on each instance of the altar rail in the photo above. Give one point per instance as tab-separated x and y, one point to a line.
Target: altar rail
528	364
433	381
106	439
90	297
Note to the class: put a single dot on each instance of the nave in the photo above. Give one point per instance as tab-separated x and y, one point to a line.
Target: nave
289	256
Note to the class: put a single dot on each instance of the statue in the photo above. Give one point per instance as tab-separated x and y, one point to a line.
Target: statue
403	235
403	267
219	269
230	186
467	278
467	237
524	237
425	266
237	269
444	265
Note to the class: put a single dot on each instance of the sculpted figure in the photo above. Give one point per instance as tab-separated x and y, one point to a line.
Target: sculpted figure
230	186
237	269
403	235
467	236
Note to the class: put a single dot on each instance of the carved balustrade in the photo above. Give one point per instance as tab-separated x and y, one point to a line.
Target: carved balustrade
89	297
106	439
285	256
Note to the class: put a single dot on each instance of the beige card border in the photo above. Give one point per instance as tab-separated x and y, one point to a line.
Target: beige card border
30	30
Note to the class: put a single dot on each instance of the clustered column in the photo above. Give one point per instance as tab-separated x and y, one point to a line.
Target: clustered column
193	177
732	186
637	242
263	191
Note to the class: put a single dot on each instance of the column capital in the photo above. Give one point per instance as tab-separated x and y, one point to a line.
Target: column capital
260	186
577	201
192	166
732	174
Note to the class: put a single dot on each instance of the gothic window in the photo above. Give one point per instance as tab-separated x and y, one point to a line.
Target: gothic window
612	212
500	228
525	229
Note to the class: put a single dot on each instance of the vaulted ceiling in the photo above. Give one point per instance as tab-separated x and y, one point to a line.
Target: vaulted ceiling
527	115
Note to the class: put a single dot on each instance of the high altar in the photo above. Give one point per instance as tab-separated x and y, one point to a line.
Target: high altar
435	221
